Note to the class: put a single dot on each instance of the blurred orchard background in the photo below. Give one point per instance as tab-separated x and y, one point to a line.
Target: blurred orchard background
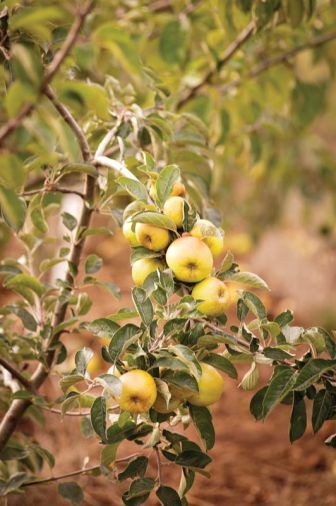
263	137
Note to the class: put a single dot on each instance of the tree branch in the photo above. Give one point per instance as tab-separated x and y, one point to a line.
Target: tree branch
76	473
243	36
16	374
280	58
70	40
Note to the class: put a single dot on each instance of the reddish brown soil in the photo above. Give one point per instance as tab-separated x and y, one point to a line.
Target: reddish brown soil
253	463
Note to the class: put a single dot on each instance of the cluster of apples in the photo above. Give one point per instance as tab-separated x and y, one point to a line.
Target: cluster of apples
138	391
190	257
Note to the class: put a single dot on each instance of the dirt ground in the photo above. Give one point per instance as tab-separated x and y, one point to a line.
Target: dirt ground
253	463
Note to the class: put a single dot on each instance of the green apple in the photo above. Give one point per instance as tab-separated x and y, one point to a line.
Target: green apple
143	268
214	240
190	259
210	386
129	233
215	295
173	208
151	237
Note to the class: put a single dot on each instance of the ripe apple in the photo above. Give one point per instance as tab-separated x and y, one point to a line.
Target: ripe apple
214	293
138	391
190	259
215	241
151	237
160	404
210	385
129	233
173	208
178	189
143	268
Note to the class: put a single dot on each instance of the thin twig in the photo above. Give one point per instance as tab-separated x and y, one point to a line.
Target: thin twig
74	413
70	40
108	137
242	37
213	327
52	189
278	59
70	120
76	473
104	161
16	374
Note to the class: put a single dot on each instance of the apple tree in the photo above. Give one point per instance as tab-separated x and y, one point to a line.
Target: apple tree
137	111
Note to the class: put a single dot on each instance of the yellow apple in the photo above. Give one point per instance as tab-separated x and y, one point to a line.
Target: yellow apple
214	293
215	241
129	233
151	237
190	259
143	268
95	365
173	208
178	190
160	404
138	391
210	385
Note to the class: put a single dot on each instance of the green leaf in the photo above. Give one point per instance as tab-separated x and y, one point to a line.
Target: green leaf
82	168
140	252
321	408
156	219
71	491
284	318
93	264
69	221
25	281
38	220
210	338
276	353
193	458
251	378
295	12
181	379
136	467
135	188
108	454
255	305
12	173
82	358
222	363
281	384
102	327
121	339
168	496
13	209
165	182
256	404
249	278
143	305
13	483
202	419
298	420
70	380
173	42
98	417
312	371
140	487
